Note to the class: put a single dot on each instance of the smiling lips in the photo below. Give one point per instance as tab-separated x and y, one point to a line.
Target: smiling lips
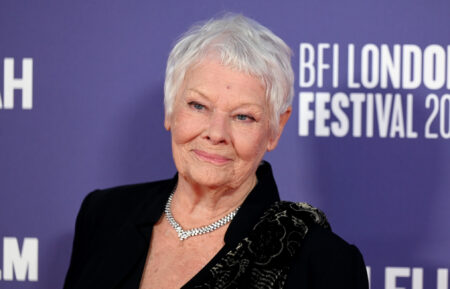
212	158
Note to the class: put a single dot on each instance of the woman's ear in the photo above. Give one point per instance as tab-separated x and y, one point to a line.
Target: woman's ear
284	117
167	122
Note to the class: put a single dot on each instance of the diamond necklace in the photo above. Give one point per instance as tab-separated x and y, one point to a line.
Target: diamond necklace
184	234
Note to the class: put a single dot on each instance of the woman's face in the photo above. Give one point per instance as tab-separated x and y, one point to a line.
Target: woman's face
220	126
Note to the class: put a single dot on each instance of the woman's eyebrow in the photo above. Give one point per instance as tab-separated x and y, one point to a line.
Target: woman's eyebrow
240	105
248	104
198	92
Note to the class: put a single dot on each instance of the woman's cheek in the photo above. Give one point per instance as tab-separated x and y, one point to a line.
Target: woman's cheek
250	143
187	127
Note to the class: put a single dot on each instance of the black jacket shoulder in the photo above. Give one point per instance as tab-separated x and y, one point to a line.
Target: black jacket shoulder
103	213
117	205
326	261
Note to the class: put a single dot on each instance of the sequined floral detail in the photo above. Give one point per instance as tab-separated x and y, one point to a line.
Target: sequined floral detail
262	259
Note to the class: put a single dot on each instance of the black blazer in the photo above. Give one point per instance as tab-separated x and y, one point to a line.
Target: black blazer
113	231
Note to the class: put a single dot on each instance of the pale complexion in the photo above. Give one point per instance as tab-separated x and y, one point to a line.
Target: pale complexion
220	131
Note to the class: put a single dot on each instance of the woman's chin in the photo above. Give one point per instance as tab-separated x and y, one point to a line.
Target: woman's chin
211	176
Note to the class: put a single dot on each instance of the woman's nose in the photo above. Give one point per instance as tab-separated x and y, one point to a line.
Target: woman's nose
218	129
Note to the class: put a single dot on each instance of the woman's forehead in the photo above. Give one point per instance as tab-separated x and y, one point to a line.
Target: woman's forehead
211	77
213	58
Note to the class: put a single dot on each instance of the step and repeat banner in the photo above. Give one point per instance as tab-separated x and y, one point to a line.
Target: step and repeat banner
81	108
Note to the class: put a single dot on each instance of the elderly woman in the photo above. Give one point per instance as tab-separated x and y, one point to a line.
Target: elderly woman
219	222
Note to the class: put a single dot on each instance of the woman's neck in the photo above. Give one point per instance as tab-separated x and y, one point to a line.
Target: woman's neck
194	205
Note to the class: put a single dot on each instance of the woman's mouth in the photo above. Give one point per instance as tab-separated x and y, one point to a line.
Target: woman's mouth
211	158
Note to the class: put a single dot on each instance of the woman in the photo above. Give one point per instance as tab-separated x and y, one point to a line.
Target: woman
218	223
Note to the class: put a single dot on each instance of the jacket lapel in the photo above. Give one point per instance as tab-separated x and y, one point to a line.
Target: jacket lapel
114	262
129	244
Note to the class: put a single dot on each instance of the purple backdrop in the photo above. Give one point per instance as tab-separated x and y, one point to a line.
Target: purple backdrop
96	120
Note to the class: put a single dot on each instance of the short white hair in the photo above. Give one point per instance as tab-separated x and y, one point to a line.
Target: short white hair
242	44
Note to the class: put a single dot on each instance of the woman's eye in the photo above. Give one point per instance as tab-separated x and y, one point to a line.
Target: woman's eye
196	105
245	117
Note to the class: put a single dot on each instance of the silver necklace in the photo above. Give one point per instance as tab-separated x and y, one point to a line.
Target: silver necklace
184	234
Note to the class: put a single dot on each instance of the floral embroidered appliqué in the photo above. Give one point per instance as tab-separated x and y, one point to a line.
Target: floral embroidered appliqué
262	259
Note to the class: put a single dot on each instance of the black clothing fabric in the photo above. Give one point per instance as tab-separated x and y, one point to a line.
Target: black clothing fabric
263	258
114	227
